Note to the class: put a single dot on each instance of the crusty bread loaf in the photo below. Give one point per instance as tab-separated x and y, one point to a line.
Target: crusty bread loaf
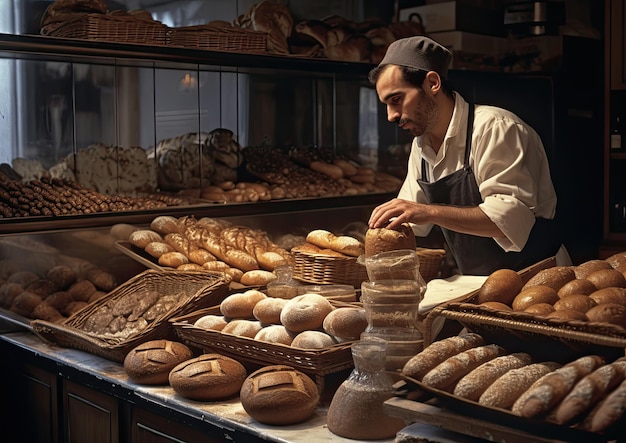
346	323
312	340
554	277
504	391
586	393
164	224
437	352
241	304
305	312
142	237
379	240
608	412
472	385
347	245
445	375
257	277
208	377
173	259
320	238
584	269
606	278
612	313
157	248
151	362
609	295
501	286
211	322
546	393
279	395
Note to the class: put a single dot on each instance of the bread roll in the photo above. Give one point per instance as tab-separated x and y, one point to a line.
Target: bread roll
208	377
257	277
42	287
554	277
243	328
500	286
142	237
279	395
305	312
584	269
533	295
606	278
345	323
577	302
382	239
617	259
211	322
173	259
157	248
82	290
576	286
241	304
268	310
504	391
567	315
200	256
59	300
151	362
609	295
271	260
608	313
25	302
586	393
164	224
312	340
347	245
472	385
445	375
275	334
540	309
437	352
496	306
61	276
321	238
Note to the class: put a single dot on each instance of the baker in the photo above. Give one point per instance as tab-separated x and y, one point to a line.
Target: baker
478	172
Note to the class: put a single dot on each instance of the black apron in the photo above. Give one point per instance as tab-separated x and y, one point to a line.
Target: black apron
476	255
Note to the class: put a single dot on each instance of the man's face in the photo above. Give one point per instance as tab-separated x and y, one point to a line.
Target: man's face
413	109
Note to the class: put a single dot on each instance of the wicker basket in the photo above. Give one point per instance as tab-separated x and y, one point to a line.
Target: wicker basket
193	290
218	38
314	362
324	269
113	28
430	262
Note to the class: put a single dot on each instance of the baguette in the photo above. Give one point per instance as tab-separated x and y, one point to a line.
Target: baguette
503	392
541	398
588	391
445	375
439	351
608	412
472	385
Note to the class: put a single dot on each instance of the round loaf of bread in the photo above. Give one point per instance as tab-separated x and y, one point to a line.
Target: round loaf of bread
608	313
243	328
211	322
606	278
609	295
379	240
533	295
576	286
164	224
208	377
275	334
241	304
312	340
151	362
500	286
268	310
345	323
305	312
279	395
257	277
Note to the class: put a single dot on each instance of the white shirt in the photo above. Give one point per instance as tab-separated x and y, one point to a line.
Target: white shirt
509	163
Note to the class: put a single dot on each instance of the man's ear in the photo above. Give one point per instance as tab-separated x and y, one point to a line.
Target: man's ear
432	82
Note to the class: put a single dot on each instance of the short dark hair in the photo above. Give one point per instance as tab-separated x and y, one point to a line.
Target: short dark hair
412	76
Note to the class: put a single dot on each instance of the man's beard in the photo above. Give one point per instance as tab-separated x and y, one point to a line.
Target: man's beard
424	117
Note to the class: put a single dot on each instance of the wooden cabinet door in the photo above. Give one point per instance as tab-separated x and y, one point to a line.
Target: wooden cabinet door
89	415
617	40
148	427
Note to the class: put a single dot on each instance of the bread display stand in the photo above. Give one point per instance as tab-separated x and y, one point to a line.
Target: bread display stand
194	290
316	363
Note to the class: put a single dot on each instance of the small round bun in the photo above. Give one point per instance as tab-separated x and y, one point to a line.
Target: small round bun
243	328
305	312
275	334
61	276
382	239
606	278
577	302
279	395
211	322
609	295
576	286
313	340
208	377
586	268
608	313
345	323
533	295
241	304
268	310
151	362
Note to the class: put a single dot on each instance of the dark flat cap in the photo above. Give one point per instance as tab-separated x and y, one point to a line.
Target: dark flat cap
418	52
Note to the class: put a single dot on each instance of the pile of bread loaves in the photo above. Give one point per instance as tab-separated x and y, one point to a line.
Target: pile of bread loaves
274	394
593	291
587	392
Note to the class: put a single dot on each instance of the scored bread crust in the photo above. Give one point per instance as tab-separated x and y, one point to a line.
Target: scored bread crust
379	240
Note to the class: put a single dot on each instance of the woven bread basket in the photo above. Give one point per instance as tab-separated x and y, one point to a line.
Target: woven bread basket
317	268
218	38
185	291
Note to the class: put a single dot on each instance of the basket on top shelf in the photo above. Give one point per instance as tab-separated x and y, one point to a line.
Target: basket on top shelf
218	38
117	28
172	293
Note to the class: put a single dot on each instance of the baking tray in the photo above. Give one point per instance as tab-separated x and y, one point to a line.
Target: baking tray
10	321
139	255
503	417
